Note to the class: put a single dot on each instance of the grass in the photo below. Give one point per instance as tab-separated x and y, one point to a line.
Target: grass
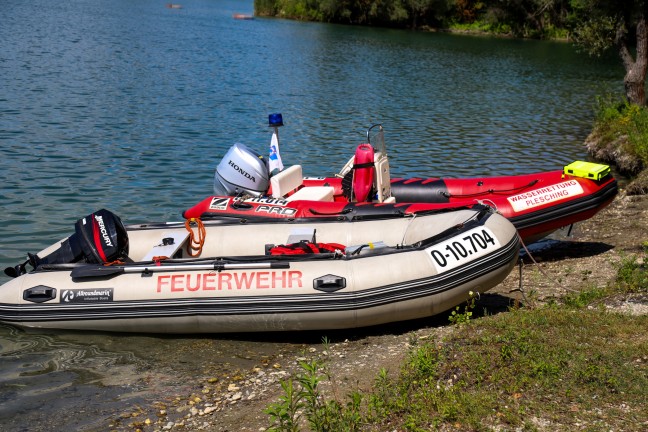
624	123
495	28
572	365
480	27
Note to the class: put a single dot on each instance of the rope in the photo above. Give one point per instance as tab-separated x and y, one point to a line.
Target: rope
549	278
490	204
195	246
489	191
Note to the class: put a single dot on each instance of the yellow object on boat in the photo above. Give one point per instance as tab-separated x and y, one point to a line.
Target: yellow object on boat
588	170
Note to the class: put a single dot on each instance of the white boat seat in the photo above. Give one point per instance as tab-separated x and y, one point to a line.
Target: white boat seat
313	193
168	245
291	179
286	181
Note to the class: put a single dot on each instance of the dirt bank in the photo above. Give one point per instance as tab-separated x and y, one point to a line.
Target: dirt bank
235	403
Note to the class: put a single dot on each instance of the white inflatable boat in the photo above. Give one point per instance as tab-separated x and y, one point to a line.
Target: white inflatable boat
260	276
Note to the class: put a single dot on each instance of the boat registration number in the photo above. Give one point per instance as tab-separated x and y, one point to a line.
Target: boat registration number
463	248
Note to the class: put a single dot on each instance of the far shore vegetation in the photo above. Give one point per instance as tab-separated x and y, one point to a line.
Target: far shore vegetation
526	18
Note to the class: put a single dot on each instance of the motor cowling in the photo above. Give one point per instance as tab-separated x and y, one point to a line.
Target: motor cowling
98	238
241	170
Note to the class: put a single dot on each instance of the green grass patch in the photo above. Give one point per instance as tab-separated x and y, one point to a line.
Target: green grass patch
616	119
480	27
632	275
564	366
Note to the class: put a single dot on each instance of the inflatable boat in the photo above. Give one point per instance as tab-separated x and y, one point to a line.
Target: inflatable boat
236	274
537	204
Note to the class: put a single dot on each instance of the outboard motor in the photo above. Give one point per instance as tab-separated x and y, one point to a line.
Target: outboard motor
241	170
98	238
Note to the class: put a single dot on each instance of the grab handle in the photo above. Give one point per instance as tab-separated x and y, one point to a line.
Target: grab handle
39	294
329	283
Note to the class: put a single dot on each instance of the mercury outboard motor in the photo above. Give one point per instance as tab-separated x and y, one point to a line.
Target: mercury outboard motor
98	238
241	170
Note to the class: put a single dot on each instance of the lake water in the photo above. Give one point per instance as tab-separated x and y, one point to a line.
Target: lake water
130	105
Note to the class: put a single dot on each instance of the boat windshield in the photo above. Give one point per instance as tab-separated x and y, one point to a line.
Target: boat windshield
376	137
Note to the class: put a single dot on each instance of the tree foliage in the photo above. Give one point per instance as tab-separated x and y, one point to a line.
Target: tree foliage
524	18
599	25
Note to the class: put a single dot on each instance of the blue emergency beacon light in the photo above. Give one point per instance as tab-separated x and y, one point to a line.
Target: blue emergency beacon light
275	120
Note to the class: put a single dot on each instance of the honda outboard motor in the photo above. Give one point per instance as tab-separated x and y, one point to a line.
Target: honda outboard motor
98	238
241	170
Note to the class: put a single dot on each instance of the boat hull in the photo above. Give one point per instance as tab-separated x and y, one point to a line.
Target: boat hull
537	204
385	284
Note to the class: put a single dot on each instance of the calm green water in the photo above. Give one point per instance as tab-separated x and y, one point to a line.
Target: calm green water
129	105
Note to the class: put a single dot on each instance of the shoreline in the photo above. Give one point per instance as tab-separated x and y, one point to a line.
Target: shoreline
423	29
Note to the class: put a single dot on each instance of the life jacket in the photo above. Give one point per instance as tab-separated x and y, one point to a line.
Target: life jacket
305	247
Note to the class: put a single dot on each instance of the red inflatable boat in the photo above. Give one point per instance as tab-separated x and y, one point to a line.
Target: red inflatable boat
537	204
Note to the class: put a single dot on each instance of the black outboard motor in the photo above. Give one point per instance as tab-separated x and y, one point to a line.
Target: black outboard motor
98	238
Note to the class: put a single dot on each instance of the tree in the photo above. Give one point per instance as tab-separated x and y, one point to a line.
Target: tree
603	24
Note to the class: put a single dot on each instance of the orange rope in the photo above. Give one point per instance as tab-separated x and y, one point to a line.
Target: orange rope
195	246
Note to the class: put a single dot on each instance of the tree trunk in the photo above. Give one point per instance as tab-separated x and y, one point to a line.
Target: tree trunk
635	77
